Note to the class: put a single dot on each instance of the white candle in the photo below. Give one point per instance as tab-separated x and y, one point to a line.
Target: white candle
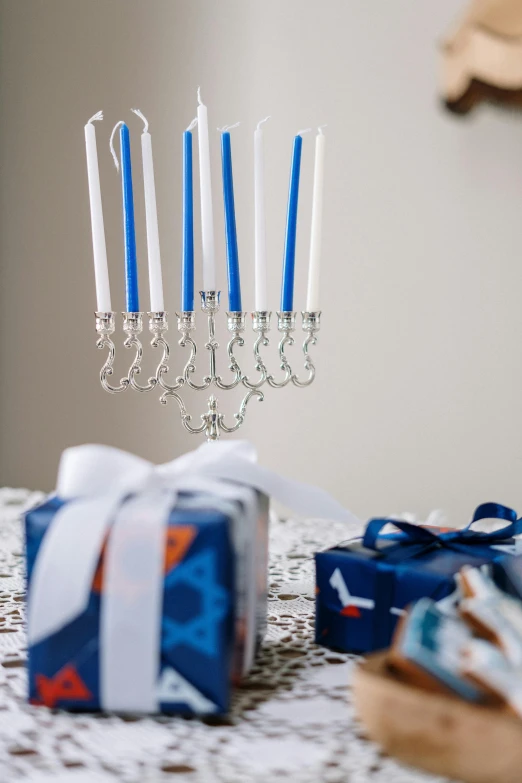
101	270
312	299
151	217
205	187
259	222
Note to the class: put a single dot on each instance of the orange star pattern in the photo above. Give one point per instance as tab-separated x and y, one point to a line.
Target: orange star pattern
66	685
177	541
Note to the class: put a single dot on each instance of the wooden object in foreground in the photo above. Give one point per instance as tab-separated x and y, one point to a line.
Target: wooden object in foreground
482	57
440	734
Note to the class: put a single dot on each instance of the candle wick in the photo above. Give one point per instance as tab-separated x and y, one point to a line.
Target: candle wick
193	124
320	129
301	132
261	122
111	145
226	128
142	117
200	102
96	117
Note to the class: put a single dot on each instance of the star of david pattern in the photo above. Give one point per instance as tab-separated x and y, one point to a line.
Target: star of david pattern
200	632
66	685
173	688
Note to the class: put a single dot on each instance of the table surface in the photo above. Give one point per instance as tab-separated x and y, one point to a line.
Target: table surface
292	718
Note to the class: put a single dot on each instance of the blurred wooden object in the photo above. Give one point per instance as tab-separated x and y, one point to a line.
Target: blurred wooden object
482	57
437	733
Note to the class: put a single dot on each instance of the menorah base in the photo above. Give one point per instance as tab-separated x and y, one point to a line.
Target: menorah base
213	422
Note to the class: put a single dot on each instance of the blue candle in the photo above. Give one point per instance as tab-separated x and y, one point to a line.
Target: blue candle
129	234
187	269
287	288
234	285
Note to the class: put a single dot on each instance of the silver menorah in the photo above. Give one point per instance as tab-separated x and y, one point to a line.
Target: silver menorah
212	422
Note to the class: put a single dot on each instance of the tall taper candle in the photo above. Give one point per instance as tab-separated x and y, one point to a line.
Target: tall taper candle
151	217
187	268
312	299
205	186
234	285
129	232
287	288
99	249
261	301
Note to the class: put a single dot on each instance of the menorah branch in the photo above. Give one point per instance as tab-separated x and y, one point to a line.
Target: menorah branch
133	326
285	325
261	326
311	325
212	422
105	326
235	325
158	326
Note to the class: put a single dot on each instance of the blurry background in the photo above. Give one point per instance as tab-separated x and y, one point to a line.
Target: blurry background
418	398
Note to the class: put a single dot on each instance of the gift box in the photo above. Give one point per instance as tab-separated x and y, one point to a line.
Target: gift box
364	585
143	598
147	584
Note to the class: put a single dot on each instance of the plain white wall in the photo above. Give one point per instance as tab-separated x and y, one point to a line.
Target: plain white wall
417	402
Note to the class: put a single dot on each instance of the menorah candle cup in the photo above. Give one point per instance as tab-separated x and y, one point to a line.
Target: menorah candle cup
236	321
311	320
261	320
186	320
286	321
105	322
158	322
210	301
132	323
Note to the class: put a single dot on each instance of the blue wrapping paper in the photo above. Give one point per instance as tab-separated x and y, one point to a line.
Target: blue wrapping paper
364	585
198	644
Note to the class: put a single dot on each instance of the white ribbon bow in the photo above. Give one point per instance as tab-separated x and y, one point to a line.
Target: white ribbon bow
98	480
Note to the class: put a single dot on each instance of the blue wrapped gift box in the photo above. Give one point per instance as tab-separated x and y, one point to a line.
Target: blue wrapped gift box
208	608
147	584
364	585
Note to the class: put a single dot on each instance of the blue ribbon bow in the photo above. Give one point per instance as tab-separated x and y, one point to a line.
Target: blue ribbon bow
419	540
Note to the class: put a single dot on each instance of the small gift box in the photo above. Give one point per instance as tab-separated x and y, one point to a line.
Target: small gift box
147	584
148	596
364	585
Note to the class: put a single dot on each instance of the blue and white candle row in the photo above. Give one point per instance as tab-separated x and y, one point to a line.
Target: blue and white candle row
207	220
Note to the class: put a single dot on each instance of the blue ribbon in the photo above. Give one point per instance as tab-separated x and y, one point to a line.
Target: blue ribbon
419	540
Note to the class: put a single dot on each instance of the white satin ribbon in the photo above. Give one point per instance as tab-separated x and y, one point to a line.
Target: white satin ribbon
130	622
113	491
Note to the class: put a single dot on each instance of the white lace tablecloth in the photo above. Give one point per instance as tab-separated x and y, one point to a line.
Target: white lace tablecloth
292	718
